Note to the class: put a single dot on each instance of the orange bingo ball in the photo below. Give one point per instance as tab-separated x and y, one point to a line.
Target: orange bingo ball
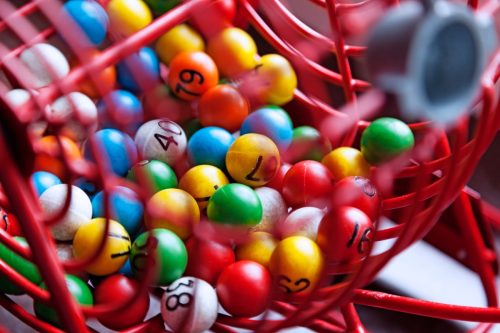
102	83
223	106
49	157
191	74
346	161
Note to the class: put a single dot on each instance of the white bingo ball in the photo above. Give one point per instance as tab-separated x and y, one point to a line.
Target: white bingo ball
161	139
17	97
274	209
64	251
302	222
189	305
46	63
79	212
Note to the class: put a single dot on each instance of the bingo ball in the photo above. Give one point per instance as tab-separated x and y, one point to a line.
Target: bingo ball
307	183
42	180
153	175
357	192
201	182
128	16
139	71
207	259
276	78
259	247
116	249
90	17
244	288
79	211
345	235
191	74
64	251
173	209
307	144
125	207
120	109
209	145
162	251
161	139
189	305
235	204
181	38
296	264
9	223
116	149
234	51
302	222
271	121
49	157
45	63
162	6
253	159
22	266
77	288
223	106
385	139
277	181
346	161
100	83
274	209
114	291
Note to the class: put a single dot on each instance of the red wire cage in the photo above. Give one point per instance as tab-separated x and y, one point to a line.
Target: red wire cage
418	187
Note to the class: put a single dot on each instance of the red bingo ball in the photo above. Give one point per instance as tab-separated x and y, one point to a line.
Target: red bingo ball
357	192
244	288
8	222
115	290
307	183
207	259
344	235
277	181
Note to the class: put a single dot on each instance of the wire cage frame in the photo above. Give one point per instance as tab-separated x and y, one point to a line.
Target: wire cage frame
432	180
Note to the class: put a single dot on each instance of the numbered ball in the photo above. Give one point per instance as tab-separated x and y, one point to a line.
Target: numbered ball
173	209
345	235
116	249
90	17
271	121
207	259
209	145
139	71
101	82
120	109
253	159
162	251
79	212
153	176
302	222
114	291
45	63
50	154
277	79
42	180
235	204
346	161
307	144
307	183
385	139
201	182
22	266
9	223
189	305
161	139
128	16
274	209
259	247
125	207
191	74
234	51
181	38
296	264
357	192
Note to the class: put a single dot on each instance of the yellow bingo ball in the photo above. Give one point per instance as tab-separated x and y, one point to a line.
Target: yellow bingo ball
345	162
259	248
178	39
201	182
128	16
173	209
296	264
233	50
278	79
253	159
115	252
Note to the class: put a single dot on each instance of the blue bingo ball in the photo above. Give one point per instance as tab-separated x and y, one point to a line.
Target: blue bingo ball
144	63
126	109
209	145
42	180
271	121
90	17
117	149
127	269
124	207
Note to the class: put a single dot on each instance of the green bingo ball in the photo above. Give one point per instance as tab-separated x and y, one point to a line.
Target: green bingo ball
153	175
235	204
162	6
169	255
307	144
385	139
19	264
77	288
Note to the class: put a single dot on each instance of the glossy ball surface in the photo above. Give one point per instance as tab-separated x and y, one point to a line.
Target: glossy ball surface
277	79
50	155
357	192
128	16
201	182
120	110
209	145
181	38
302	222
45	63
153	175
42	180
307	144
101	82
258	248
90	17
140	71
346	161
9	223
277	181
274	209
